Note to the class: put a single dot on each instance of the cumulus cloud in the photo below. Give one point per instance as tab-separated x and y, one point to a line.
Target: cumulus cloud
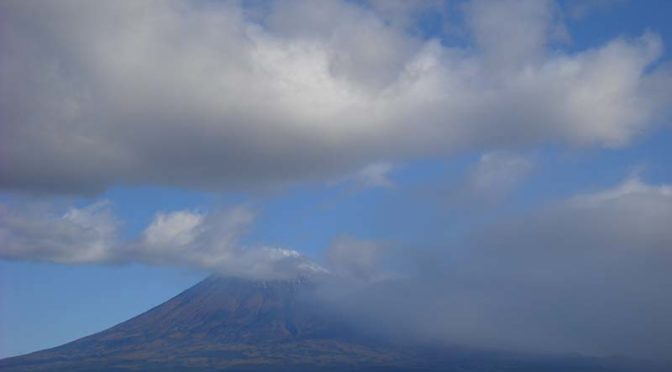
91	235
218	95
79	235
587	274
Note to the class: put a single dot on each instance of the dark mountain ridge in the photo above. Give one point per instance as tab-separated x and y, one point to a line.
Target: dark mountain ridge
237	324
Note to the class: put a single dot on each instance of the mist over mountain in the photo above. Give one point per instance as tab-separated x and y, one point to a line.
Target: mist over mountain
225	323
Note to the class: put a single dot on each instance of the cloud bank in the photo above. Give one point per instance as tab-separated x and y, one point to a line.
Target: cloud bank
222	96
588	274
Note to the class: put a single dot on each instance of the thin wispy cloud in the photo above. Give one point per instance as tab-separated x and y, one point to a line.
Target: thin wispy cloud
497	174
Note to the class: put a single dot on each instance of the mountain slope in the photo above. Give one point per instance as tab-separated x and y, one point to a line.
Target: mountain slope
236	324
218	323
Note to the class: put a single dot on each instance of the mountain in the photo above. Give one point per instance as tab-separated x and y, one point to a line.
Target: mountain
237	324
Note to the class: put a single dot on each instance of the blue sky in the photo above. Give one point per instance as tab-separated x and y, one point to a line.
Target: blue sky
420	135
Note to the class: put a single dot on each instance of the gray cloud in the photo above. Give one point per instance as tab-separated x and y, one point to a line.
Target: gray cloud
511	33
91	235
588	274
356	258
218	96
78	235
497	174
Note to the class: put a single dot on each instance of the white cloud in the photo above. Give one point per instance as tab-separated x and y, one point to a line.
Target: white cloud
217	96
177	228
90	235
77	236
